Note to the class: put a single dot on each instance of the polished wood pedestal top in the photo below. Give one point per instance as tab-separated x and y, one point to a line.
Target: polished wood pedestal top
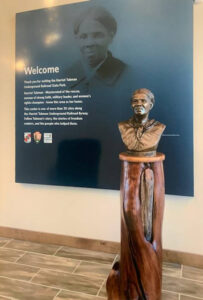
141	159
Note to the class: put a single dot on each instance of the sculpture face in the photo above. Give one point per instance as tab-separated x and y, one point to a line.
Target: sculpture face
141	104
93	39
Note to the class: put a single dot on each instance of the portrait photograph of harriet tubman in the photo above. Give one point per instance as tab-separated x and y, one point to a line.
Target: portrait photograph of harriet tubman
94	30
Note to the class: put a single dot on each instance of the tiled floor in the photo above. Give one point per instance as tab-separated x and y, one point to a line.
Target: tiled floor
34	271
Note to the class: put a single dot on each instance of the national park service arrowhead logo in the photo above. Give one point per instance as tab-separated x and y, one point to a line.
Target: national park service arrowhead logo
37	137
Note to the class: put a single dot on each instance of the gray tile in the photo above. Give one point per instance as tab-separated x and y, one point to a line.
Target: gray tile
23	290
49	262
93	270
67	281
15	271
10	254
171	265
169	296
64	295
87	255
182	286
33	247
165	295
3	241
182	297
193	273
171	269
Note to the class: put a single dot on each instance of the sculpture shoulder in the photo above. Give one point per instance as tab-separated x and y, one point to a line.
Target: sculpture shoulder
158	127
125	125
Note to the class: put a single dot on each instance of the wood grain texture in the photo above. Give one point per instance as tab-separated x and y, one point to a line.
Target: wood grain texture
144	159
139	273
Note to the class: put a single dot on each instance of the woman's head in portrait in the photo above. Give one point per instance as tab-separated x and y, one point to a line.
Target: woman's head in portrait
94	30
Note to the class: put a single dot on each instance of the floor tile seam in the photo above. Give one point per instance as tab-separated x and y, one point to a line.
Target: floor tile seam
32	252
19	264
101	287
54	254
194	280
171	269
171	292
50	256
192	267
87	261
55	270
57	294
178	276
43	254
100	276
96	263
7	243
60	247
181	294
187	279
87	251
168	268
9	298
31	283
17	250
70	273
73	272
79	293
63	257
195	297
58	289
20	257
35	275
38	267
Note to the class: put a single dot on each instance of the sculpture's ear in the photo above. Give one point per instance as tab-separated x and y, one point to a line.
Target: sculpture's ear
151	105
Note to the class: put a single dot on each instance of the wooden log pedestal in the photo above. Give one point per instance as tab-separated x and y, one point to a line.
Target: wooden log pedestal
138	275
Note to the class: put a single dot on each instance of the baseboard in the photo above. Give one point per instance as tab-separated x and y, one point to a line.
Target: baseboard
58	239
189	259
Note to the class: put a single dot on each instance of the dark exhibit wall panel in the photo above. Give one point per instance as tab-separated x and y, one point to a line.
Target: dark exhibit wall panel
76	68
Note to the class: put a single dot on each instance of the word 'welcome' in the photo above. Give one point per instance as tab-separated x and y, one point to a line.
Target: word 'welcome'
37	70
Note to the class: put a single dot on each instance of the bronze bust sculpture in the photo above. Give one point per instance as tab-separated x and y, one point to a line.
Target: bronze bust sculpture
139	134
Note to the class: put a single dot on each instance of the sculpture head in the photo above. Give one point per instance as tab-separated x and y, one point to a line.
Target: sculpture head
140	135
94	31
142	102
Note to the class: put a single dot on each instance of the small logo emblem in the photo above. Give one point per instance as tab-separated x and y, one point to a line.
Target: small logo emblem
27	137
48	138
37	136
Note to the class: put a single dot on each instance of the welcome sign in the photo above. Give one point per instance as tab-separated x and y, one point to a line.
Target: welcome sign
76	68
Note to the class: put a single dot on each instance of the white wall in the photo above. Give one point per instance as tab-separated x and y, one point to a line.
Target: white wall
87	212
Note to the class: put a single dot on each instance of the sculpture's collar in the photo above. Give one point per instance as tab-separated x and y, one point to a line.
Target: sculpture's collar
146	126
